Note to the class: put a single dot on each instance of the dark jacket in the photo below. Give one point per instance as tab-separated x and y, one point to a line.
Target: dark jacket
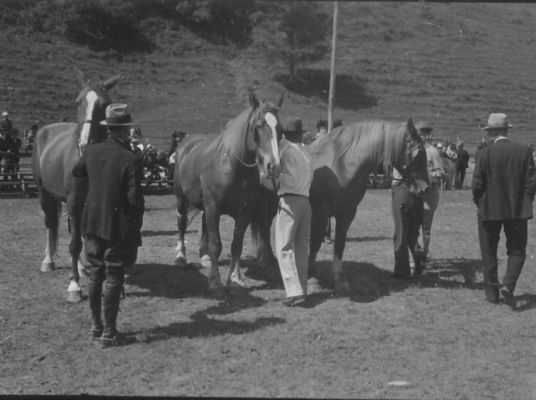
114	204
504	181
462	161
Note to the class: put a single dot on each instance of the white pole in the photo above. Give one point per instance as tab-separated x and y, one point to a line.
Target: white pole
332	68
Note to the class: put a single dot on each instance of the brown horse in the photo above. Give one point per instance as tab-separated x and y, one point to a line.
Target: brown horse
342	162
57	147
222	177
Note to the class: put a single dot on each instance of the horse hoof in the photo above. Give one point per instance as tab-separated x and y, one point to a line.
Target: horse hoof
236	287
206	262
48	267
218	292
180	262
313	286
74	296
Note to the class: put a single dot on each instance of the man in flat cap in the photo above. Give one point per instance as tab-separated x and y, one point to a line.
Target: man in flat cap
504	183
111	219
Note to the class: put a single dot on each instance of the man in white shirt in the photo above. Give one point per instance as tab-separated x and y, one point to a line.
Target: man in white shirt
293	221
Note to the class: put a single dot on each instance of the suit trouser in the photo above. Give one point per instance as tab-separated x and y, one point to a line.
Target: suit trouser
431	200
292	231
460	177
515	231
407	215
107	261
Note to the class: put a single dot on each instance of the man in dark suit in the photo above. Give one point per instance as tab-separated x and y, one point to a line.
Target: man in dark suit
111	219
504	183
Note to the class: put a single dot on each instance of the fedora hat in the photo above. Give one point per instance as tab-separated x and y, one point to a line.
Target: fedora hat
497	121
424	125
294	125
117	115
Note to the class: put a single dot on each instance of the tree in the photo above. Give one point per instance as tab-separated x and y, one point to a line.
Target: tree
295	32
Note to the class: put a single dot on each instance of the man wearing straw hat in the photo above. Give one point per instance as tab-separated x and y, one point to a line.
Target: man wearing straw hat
293	221
111	219
504	183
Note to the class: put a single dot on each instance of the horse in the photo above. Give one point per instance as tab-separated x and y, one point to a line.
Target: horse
341	163
57	147
222	176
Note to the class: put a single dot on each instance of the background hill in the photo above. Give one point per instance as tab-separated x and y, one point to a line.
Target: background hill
451	63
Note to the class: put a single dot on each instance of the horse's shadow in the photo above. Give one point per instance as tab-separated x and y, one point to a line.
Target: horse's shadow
170	281
368	283
165	280
367	239
150	233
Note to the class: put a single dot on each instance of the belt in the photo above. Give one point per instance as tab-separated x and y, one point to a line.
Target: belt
293	194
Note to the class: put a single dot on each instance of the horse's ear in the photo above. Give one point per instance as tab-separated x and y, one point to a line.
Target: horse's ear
110	83
82	78
280	101
253	101
411	128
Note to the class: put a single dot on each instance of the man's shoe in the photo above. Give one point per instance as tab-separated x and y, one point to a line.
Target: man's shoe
295	301
95	333
508	298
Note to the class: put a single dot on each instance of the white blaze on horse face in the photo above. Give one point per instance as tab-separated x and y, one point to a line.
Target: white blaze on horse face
91	98
271	120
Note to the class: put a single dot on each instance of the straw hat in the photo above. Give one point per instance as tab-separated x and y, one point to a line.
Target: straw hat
497	121
5	114
117	115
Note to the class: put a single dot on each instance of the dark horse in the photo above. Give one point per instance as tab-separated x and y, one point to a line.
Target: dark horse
222	177
57	147
342	162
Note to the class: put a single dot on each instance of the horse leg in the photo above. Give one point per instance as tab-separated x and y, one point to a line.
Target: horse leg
261	224
182	223
51	209
74	293
341	229
212	220
320	215
234	280
203	245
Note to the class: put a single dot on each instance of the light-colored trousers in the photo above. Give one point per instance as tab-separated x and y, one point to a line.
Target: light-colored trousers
292	231
431	200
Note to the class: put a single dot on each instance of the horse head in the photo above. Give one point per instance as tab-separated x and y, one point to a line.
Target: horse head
92	102
264	132
413	164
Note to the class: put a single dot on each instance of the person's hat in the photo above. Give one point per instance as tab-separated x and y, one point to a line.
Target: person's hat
117	115
425	125
5	114
294	125
439	145
497	121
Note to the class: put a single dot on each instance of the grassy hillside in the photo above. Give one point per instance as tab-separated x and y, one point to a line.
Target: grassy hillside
450	63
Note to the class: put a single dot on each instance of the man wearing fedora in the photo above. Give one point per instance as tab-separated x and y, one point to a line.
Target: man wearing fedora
504	183
111	219
293	221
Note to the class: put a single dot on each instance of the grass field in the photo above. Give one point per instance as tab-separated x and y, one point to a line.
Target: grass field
435	333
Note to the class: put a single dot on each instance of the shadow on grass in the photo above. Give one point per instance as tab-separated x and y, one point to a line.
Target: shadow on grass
270	274
166	280
201	326
163	233
368	239
351	90
525	302
368	283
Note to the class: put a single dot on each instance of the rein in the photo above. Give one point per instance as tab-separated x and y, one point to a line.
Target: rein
242	162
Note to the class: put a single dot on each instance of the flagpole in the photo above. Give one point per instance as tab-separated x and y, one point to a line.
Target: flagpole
332	67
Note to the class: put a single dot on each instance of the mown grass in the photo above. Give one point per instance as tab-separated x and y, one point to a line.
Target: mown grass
436	333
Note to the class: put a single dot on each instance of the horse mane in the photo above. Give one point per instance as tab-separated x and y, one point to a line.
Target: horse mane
233	138
381	141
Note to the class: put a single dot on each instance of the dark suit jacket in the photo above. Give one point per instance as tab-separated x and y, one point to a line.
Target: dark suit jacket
504	181
114	204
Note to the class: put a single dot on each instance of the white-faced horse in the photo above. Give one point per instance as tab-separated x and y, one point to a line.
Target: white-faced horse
57	147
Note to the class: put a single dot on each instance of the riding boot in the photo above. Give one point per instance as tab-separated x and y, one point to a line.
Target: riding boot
112	297
95	304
